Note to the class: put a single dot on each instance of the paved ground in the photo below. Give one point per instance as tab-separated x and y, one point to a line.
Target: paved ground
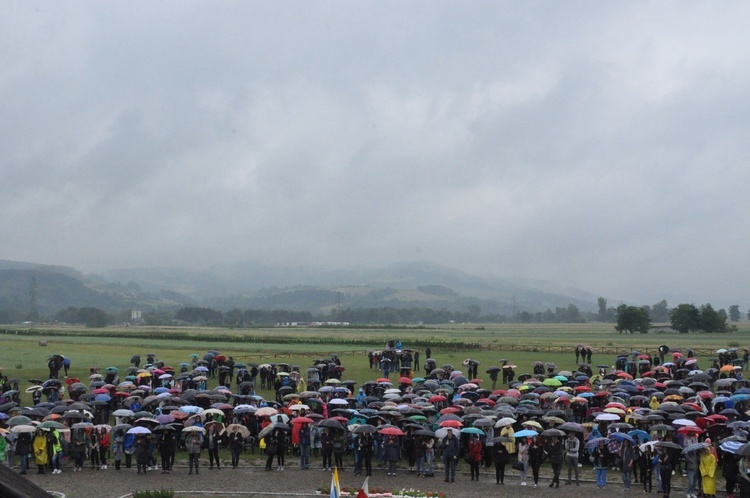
251	480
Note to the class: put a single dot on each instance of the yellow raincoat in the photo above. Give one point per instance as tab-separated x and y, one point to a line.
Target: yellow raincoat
654	403
40	449
508	431
708	472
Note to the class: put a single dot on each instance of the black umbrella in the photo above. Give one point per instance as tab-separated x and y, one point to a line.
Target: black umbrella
333	424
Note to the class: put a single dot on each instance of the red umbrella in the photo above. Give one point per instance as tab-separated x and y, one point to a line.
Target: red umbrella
72	380
451	423
343	420
690	430
437	398
450	409
404	380
100	391
122	394
601	394
302	420
392	431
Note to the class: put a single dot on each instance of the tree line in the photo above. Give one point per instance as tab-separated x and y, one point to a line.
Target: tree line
684	318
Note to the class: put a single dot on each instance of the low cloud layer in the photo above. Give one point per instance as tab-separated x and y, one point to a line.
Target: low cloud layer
597	146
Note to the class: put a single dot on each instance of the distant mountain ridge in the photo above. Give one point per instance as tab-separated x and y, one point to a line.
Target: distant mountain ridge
257	286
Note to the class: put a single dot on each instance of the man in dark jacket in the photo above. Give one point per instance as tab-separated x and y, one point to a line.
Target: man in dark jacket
449	448
555	452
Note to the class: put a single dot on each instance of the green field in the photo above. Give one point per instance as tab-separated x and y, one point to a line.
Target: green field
21	355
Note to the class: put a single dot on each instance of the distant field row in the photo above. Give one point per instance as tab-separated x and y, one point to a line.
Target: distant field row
594	334
22	356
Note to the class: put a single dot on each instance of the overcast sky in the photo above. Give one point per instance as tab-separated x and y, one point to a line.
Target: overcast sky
597	145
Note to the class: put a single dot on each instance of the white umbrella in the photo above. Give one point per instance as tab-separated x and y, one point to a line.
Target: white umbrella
607	416
505	421
684	422
266	411
139	430
19	429
443	431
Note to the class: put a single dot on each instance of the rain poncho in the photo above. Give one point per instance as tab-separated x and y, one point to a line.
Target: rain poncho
40	449
708	473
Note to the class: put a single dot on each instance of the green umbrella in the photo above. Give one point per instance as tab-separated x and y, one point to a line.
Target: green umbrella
51	424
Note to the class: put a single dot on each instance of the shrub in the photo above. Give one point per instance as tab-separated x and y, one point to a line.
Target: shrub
162	493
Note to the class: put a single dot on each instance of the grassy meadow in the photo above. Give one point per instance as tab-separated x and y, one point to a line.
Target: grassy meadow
21	355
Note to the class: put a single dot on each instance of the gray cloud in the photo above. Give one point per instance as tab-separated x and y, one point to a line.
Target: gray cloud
598	147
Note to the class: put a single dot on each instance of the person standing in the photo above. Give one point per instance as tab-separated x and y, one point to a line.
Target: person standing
665	470
40	451
708	472
79	442
193	445
141	453
572	446
523	458
367	445
536	457
94	449
692	468
601	462
166	451
626	462
11	440
54	446
500	458
212	443
475	456
449	450
304	446
339	447
555	452
326	441
118	447
392	450
237	442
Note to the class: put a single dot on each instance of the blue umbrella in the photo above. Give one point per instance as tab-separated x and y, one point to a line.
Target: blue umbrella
642	435
479	432
593	442
526	433
621	436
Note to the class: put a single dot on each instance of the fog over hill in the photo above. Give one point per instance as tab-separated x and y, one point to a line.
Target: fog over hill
257	286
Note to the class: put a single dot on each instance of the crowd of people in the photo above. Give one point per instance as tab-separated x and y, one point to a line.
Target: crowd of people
645	418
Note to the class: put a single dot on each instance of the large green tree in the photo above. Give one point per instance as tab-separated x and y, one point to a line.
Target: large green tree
711	320
685	318
632	319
